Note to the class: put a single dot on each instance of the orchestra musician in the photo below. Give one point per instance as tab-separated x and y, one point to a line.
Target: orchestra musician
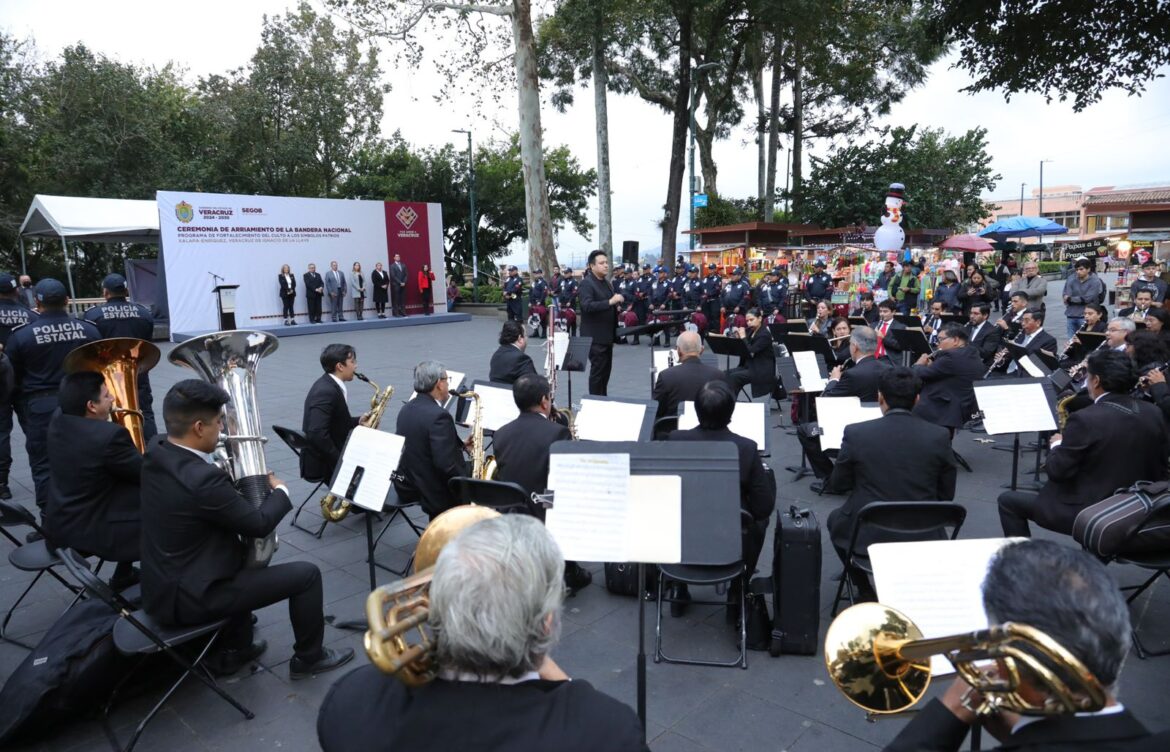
887	348
932	323
839	329
682	382
1032	338
287	284
758	368
1094	321
1143	300
1108	445
118	317
1013	317
982	334
866	308
948	397
326	421
1116	332
193	559
510	362
432	453
496	597
822	319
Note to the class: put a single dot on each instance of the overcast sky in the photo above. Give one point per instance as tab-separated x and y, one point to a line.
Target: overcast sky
1119	141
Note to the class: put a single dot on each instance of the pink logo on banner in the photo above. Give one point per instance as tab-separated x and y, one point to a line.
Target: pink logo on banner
407	235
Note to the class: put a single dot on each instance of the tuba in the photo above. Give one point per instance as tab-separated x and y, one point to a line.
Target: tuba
333	508
120	361
229	360
879	660
394	610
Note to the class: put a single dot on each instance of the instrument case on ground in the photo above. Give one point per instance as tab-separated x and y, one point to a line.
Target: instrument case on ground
796	582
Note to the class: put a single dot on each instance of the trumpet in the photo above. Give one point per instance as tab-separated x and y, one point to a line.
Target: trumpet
333	508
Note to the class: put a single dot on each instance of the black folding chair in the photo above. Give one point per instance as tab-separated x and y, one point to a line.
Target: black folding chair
896	521
663	426
297	442
397	508
136	633
1158	563
503	497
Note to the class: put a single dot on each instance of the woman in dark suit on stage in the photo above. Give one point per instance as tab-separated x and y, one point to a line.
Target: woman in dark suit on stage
426	285
380	281
288	293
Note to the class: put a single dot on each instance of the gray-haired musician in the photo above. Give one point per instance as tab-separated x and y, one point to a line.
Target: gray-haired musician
1069	596
496	607
432	453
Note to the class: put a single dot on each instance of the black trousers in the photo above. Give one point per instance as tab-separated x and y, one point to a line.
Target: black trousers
286	304
359	305
820	463
428	300
379	302
314	302
397	299
298	582
146	405
34	414
1015	509
514	310
600	365
861	584
739	378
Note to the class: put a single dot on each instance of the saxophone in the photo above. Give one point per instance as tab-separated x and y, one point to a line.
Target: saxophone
550	373
333	508
482	466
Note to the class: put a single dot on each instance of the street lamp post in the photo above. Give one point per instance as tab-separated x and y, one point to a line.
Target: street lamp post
694	85
471	220
1040	210
1022	198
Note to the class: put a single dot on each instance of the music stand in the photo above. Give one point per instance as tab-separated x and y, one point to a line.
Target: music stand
911	342
225	300
749	420
576	358
621	412
858	321
790	378
728	346
909	320
1015	406
710	508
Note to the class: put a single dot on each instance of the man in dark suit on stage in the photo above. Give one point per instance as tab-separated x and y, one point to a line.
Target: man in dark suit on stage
898	457
95	495
1070	597
497	594
860	381
948	397
397	287
1111	444
510	362
982	334
326	422
314	292
599	307
433	453
193	561
682	382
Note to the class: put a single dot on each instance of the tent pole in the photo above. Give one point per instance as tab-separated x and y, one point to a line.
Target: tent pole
69	274
23	264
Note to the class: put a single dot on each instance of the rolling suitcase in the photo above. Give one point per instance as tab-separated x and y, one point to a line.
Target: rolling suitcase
796	582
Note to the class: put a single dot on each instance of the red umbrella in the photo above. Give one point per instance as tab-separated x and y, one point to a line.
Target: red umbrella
966	243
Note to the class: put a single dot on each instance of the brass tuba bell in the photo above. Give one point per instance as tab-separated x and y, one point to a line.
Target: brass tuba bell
120	360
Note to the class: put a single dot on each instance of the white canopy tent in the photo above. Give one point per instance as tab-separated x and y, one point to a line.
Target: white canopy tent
97	220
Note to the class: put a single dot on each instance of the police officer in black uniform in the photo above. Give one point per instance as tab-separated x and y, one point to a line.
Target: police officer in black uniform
38	350
537	295
736	296
773	293
712	289
692	291
818	287
13	313
642	294
677	282
513	288
118	317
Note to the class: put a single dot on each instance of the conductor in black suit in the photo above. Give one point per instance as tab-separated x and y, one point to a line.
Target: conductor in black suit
192	556
682	382
948	394
1110	444
326	422
510	362
314	291
898	457
95	495
759	367
433	453
599	309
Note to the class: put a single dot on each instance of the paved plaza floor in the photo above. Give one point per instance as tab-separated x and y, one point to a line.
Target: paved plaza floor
784	703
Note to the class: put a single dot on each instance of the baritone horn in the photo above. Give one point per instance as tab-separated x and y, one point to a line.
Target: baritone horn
229	360
120	361
333	508
879	660
399	641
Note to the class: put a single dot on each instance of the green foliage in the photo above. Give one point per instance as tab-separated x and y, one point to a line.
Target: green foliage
487	294
721	211
944	177
1051	267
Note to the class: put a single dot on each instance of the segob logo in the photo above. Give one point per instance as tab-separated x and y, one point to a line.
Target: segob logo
407	216
184	212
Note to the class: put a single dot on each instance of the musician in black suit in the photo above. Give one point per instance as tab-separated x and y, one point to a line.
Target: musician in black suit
714	406
433	453
948	397
380	281
314	291
94	497
1033	338
759	367
860	380
599	307
1013	317
982	334
1108	445
192	558
326	421
682	382
288	294
1070	597
899	457
497	594
510	362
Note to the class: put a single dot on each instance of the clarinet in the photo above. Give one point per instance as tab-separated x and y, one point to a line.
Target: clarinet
1070	344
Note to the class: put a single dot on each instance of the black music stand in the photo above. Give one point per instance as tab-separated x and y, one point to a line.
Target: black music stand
806	342
912	343
728	346
576	359
225	300
710	508
858	321
985	389
909	320
790	378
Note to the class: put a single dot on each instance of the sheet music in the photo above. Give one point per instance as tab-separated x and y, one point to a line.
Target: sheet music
835	413
560	347
378	453
607	420
660	358
499	408
1014	408
944	598
1031	368
749	420
590	513
809	371
654	528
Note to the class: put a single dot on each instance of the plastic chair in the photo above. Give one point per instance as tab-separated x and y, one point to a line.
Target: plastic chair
297	442
896	520
136	633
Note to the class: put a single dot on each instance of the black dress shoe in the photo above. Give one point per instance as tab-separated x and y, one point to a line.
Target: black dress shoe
33	537
5	492
329	660
577	577
122	580
228	662
680	598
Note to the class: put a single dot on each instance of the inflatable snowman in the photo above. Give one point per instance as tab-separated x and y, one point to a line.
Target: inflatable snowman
890	236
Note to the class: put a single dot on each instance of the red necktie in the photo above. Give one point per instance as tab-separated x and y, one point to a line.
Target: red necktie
881	348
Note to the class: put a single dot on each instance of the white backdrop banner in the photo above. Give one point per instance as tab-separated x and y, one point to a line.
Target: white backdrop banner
246	239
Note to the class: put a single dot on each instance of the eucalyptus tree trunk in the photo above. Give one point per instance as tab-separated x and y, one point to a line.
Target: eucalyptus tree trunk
773	129
761	142
601	113
678	137
797	123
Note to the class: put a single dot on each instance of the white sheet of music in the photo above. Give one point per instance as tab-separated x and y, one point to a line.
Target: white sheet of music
661	359
1031	368
749	420
377	452
809	371
499	408
835	413
654	528
606	420
1014	408
560	347
944	598
590	514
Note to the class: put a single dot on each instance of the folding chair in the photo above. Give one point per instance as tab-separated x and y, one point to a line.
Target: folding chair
397	508
896	520
503	497
1158	563
297	442
663	426
136	633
